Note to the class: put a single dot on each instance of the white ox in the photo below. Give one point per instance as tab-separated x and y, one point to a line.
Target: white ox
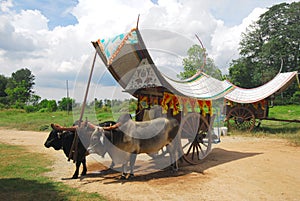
131	138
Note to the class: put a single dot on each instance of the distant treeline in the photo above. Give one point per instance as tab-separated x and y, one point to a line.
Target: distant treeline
17	92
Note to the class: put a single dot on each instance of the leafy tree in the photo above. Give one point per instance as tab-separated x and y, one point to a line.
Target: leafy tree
107	103
3	94
52	106
66	104
19	87
47	105
3	83
195	60
34	100
242	73
98	103
273	39
43	104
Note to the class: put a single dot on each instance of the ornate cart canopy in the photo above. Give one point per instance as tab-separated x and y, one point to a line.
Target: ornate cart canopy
130	63
278	84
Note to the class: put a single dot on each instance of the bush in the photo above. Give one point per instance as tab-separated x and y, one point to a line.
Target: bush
30	108
296	98
44	110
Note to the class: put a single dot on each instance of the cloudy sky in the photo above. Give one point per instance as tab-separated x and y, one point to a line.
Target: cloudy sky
52	38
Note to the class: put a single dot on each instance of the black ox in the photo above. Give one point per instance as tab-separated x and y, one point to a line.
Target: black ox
63	139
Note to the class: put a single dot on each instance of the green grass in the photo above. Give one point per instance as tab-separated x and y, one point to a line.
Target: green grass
21	120
277	129
37	121
21	179
18	119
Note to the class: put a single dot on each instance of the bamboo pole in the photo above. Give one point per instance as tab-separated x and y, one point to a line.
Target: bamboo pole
74	148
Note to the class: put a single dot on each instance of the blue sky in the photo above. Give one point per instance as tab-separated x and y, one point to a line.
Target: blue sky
52	38
57	11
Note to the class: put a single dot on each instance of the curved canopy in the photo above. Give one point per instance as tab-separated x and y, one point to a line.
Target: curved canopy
129	61
278	84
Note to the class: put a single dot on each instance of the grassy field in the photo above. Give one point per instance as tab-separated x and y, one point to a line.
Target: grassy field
37	121
19	119
21	179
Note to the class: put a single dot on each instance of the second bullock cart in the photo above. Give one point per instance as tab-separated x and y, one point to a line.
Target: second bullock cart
189	101
246	108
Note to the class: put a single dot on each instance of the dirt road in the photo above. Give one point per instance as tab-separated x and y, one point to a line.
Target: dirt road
238	168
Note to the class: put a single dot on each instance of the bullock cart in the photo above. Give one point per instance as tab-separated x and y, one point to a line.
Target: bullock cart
189	101
246	108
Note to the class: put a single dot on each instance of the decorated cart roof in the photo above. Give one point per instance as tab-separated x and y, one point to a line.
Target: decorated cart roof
278	84
130	63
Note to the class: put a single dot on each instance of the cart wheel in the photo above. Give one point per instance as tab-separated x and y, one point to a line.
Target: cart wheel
196	138
240	118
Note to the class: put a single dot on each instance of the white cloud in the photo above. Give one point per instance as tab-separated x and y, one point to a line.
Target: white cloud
6	5
65	53
225	40
29	21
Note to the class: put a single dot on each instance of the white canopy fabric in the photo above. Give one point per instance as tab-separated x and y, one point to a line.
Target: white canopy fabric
201	86
279	83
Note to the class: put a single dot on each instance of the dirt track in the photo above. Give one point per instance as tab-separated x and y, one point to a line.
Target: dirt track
237	169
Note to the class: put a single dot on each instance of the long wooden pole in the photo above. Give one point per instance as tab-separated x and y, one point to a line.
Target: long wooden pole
87	90
75	141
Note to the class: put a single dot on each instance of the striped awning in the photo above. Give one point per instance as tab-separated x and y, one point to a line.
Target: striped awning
278	84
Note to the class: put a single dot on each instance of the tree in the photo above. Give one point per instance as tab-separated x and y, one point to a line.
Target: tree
47	105
273	39
34	100
243	75
107	103
3	83
195	60
19	87
3	94
52	106
66	104
98	103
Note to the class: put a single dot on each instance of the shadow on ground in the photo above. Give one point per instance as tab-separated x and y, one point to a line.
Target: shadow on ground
22	189
217	157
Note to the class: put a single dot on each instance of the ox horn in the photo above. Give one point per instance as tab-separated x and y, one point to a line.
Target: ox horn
61	128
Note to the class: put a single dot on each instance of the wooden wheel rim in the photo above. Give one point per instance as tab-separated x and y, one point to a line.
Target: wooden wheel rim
195	138
241	118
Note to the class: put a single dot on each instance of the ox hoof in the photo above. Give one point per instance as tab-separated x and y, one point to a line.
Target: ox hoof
131	176
123	177
75	177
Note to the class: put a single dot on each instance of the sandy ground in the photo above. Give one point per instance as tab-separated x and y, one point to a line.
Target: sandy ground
238	168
